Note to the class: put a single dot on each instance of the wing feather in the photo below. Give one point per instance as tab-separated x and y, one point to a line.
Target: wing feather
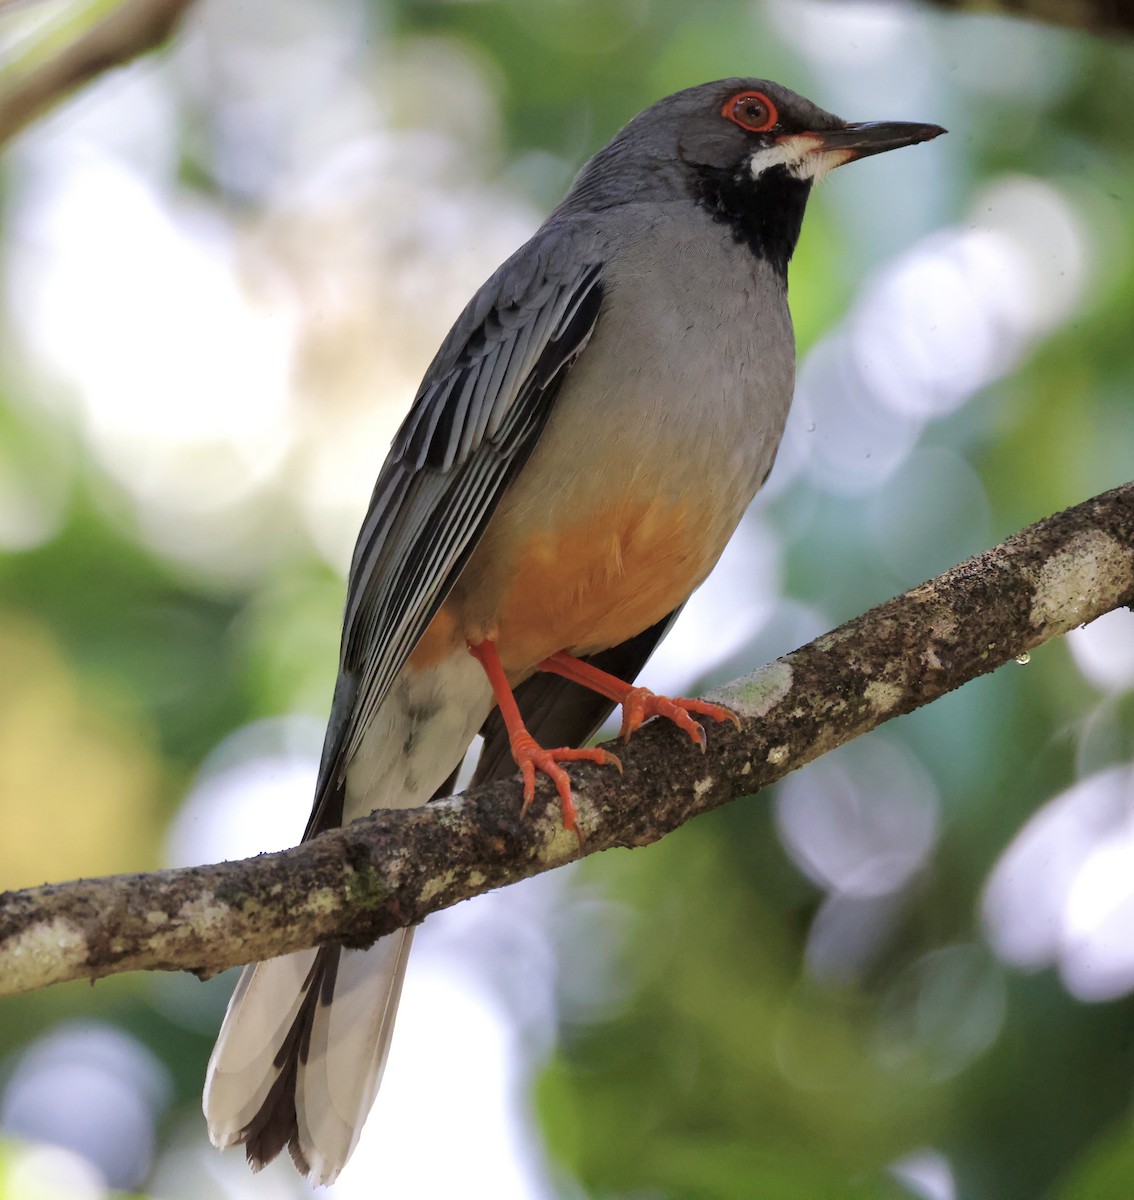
475	420
488	380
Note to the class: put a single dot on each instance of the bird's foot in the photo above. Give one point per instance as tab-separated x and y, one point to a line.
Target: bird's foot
639	704
531	757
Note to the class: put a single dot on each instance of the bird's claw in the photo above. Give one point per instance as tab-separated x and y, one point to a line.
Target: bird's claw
641	704
532	757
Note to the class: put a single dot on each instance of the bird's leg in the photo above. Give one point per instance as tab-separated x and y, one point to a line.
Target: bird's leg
529	755
639	704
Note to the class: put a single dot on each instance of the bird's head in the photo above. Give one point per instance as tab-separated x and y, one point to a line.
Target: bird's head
748	150
749	127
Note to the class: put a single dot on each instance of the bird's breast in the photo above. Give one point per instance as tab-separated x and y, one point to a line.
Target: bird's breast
589	550
601	577
663	431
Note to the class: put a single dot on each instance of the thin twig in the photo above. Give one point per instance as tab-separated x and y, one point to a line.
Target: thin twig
1100	17
132	29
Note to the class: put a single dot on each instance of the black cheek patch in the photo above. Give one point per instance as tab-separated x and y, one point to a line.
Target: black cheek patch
765	214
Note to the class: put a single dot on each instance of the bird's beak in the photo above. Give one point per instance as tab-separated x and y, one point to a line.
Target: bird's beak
870	137
810	155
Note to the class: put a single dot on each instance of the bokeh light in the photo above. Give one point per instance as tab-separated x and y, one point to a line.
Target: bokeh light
1063	893
91	1090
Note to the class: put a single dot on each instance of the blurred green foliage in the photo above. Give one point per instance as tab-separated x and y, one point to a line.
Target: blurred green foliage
726	1068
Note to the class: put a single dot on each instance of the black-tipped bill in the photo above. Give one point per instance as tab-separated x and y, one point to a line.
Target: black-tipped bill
873	137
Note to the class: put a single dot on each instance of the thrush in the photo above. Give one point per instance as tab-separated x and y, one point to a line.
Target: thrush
579	452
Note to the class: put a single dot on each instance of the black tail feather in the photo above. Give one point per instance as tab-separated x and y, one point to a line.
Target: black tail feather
275	1126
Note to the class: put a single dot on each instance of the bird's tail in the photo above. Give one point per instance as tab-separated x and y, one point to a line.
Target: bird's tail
301	1053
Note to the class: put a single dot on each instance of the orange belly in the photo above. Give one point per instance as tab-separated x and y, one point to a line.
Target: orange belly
581	586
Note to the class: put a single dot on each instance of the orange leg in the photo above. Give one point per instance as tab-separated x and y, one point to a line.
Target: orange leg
531	757
639	704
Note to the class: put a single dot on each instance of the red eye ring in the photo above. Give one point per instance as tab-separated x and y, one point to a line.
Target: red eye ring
752	111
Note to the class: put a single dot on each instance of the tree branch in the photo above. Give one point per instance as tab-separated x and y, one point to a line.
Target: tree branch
132	29
395	867
1100	17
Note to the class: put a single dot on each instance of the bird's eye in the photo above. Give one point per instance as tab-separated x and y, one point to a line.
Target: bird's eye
752	111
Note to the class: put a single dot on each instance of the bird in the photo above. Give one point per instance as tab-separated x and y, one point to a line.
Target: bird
578	454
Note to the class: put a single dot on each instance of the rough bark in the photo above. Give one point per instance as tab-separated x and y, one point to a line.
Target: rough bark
394	868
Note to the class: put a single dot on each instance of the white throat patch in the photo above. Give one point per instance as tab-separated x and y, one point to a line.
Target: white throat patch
801	155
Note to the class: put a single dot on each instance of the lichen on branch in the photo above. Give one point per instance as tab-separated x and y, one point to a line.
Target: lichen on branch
394	867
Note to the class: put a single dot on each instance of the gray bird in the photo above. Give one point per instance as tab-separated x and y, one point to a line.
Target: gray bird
576	458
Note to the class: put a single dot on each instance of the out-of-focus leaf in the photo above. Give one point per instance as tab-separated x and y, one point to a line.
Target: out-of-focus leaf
1105	1172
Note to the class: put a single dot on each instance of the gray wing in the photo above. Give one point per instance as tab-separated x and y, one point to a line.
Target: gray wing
476	418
